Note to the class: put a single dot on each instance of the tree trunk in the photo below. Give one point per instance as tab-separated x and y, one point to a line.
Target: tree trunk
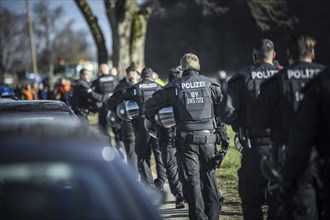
139	32
102	54
120	14
2	70
129	26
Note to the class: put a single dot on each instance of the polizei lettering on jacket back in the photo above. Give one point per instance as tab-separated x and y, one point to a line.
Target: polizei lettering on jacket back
147	85
263	74
302	73
194	95
194	102
192	85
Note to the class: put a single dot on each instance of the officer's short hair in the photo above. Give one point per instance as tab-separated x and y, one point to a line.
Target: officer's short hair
104	68
147	73
300	46
130	69
263	48
190	61
83	71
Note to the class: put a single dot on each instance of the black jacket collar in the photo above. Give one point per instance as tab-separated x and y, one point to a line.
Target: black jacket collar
189	72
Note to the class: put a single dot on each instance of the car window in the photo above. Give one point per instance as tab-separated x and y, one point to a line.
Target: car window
54	191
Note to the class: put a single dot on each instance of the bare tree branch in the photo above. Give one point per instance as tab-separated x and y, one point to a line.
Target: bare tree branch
95	29
211	7
271	11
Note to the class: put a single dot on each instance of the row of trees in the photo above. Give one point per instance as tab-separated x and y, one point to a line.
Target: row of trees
57	40
129	18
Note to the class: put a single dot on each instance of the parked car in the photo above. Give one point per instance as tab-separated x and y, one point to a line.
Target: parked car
35	110
59	170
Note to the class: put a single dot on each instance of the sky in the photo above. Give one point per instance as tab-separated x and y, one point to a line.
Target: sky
71	11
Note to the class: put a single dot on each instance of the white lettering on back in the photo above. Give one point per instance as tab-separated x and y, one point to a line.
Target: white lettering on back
191	85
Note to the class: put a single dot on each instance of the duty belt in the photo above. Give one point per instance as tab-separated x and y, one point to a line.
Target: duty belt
197	137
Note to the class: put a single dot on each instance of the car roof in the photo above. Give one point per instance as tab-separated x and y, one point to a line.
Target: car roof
33	106
35	110
52	140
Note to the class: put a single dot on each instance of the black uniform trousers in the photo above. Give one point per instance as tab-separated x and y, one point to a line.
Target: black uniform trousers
252	185
103	120
160	168
143	146
128	137
302	201
198	176
169	156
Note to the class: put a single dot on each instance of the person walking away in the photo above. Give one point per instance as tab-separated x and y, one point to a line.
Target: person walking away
193	97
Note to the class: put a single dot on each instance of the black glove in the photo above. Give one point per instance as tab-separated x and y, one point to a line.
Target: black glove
217	159
225	144
222	136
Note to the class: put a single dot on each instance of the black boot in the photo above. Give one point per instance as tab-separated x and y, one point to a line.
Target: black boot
179	201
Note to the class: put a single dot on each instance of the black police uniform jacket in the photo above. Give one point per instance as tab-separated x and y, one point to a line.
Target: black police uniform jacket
280	97
111	104
105	84
84	97
117	93
311	128
140	93
193	98
243	88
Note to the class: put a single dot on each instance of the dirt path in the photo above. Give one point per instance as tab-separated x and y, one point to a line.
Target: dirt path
168	210
231	209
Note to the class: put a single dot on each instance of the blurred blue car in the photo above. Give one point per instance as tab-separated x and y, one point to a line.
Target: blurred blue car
59	170
49	110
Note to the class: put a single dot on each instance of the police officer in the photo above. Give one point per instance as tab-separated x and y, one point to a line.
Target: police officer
140	93
84	99
193	97
311	128
126	131
166	141
104	84
276	108
243	88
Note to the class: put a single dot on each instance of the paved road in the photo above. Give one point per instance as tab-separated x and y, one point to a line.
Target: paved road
168	210
230	210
